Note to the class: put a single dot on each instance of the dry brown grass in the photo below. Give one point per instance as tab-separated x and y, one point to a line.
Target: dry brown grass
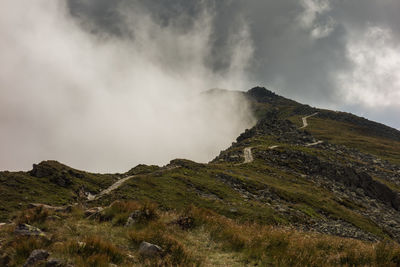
34	215
174	252
94	251
85	242
119	211
16	250
287	247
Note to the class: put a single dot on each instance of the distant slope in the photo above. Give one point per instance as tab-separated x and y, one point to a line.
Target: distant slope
49	182
336	127
348	185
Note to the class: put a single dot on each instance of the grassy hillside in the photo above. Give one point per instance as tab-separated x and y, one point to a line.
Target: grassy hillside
353	135
326	194
49	182
193	237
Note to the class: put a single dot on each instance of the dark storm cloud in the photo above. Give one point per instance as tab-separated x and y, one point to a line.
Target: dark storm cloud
301	48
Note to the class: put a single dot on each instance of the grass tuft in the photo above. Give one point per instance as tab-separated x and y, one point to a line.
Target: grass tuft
95	251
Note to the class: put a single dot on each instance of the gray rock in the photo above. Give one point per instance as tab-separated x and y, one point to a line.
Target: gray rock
48	207
134	217
129	222
54	263
93	211
26	229
36	255
149	250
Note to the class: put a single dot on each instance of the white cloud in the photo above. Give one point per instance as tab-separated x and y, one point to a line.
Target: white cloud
375	78
309	19
107	104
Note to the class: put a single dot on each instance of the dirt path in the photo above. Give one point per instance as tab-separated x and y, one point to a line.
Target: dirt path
110	188
314	144
305	124
248	156
118	183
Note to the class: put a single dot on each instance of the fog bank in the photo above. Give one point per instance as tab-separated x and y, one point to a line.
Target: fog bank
105	102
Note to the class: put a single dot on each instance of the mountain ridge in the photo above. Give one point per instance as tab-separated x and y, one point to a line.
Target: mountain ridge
331	175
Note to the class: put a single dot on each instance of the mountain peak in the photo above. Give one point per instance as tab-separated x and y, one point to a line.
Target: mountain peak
261	93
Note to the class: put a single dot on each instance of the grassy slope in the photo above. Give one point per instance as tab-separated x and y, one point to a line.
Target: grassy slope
355	136
197	184
209	240
17	189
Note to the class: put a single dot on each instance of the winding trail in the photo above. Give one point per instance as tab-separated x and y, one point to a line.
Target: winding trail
305	124
248	156
314	144
110	188
118	183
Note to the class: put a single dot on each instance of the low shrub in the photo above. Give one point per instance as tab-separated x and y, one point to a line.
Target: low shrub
19	248
30	216
267	245
174	252
119	211
95	249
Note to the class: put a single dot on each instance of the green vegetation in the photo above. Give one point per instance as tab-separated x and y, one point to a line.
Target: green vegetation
18	189
210	240
352	135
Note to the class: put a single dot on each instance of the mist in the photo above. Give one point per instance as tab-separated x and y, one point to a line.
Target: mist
104	85
107	102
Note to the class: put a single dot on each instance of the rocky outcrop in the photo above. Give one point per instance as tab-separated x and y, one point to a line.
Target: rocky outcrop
58	173
263	95
283	130
52	262
312	165
28	230
47	169
36	256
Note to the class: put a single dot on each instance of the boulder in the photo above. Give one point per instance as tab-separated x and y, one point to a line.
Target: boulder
134	217
54	263
149	250
36	256
29	230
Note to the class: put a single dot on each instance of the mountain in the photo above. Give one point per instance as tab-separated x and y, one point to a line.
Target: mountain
304	186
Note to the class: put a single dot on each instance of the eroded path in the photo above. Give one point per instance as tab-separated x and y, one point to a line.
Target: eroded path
248	156
110	188
314	144
121	181
305	124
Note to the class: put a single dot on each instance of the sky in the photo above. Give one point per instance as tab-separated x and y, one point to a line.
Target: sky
104	85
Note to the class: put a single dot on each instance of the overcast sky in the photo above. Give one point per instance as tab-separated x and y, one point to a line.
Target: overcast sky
102	85
336	54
